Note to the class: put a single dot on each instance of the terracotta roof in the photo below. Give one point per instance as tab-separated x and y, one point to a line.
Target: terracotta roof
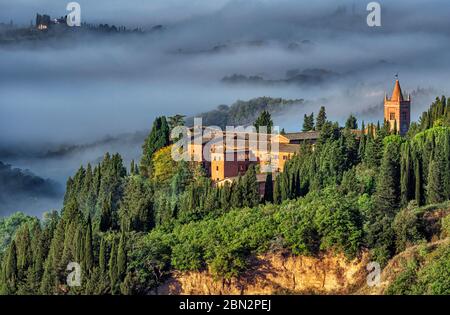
292	148
306	135
397	92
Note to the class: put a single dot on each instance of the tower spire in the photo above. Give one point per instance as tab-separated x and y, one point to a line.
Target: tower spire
397	94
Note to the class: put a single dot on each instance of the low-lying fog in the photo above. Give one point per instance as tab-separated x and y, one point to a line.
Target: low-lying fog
77	92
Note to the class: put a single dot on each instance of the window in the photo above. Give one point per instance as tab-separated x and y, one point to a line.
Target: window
392	116
403	116
217	168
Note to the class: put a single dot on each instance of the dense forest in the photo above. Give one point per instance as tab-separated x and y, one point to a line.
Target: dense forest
129	228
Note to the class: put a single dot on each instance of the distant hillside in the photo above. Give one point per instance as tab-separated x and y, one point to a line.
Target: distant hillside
19	188
245	112
293	76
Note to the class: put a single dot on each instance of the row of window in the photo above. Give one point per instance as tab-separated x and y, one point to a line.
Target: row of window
403	116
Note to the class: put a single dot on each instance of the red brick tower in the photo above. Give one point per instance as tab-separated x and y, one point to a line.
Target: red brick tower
397	110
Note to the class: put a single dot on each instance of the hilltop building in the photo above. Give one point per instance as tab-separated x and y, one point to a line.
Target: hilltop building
397	110
43	22
224	160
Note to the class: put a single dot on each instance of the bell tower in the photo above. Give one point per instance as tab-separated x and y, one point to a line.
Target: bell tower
397	110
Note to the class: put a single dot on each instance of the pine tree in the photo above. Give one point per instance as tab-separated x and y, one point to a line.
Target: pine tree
321	118
351	122
264	120
308	122
176	120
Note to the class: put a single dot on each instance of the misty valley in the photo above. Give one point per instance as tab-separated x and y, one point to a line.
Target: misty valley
340	184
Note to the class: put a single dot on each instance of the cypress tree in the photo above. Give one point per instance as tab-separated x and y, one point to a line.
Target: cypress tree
237	193
102	256
264	120
321	118
418	182
132	168
308	122
386	198
38	250
106	214
88	252
277	191
362	147
11	272
113	270
157	139
351	122
121	258
406	171
268	188
226	196
251	188
435	183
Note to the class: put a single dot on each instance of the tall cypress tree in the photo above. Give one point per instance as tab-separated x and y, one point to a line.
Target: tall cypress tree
113	270
406	171
321	118
268	188
435	183
277	191
250	188
418	181
237	193
121	258
102	256
11	272
88	251
386	198
158	138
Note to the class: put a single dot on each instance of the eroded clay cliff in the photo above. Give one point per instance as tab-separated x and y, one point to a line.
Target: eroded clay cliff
278	273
